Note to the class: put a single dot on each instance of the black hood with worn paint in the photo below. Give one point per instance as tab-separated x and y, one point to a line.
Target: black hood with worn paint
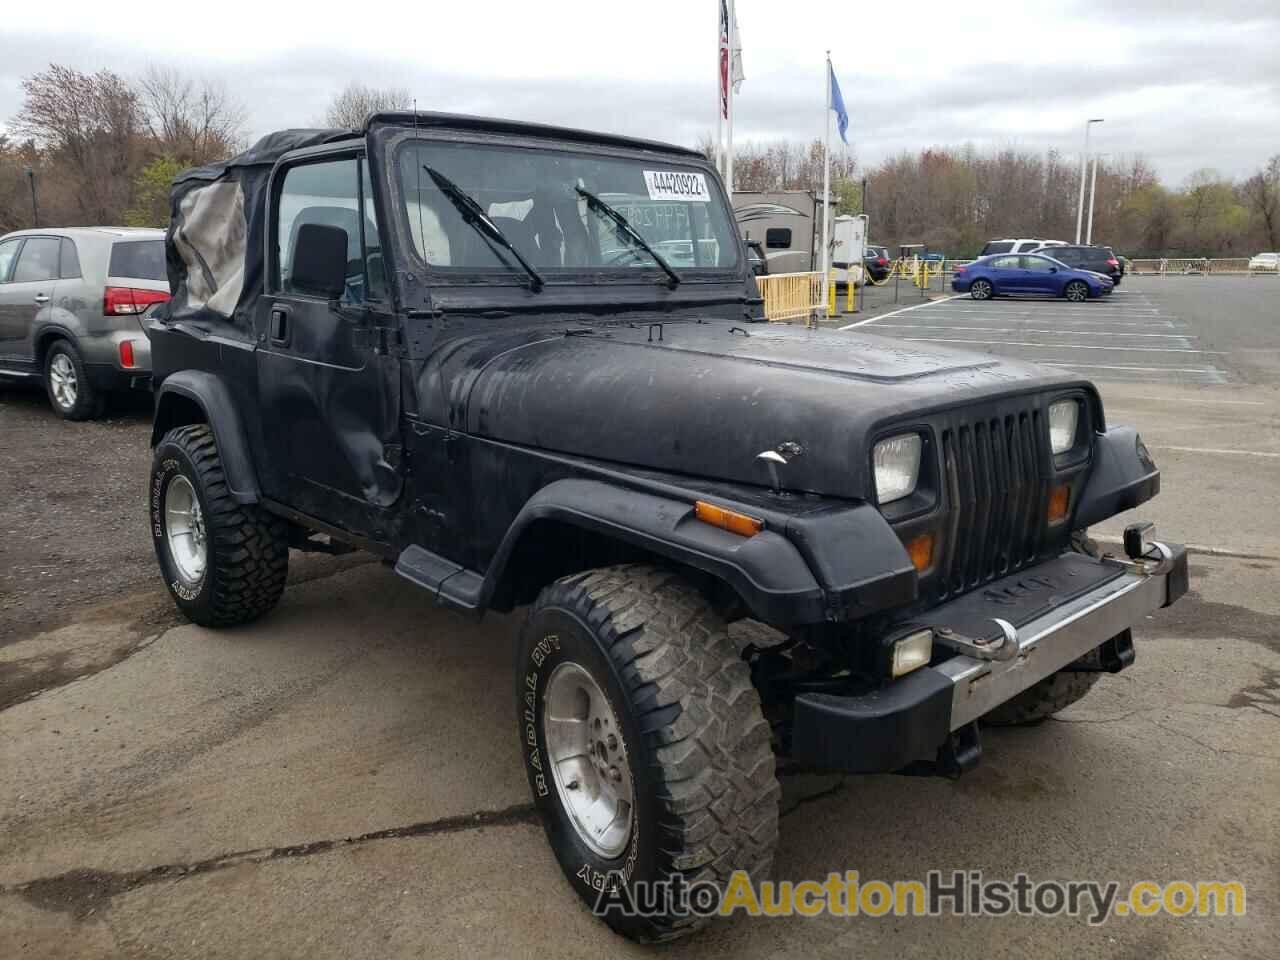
705	398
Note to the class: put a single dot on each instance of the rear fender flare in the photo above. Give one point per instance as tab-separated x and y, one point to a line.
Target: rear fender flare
211	395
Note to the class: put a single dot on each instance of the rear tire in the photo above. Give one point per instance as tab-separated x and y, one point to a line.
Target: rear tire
981	290
1057	692
1042	700
1077	291
225	563
668	718
67	384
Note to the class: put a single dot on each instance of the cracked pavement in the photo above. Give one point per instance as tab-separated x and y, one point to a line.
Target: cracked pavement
344	779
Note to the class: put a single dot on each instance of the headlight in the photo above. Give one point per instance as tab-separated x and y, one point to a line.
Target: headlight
897	466
1063	417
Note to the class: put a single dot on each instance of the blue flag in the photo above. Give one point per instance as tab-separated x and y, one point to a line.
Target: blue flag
837	104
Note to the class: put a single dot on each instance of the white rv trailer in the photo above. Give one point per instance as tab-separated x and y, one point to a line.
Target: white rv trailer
788	225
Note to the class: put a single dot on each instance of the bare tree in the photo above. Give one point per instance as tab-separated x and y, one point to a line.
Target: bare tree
195	121
89	124
353	106
1262	194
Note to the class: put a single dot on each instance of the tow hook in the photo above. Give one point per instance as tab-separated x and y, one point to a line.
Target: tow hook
1005	648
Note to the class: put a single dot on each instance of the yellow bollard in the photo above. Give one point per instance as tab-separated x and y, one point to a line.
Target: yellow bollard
831	299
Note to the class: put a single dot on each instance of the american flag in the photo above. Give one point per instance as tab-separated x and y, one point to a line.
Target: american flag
725	71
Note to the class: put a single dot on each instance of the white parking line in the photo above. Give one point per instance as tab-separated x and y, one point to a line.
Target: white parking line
1217	451
1059	346
1105	366
1242	403
894	313
931	326
1055	318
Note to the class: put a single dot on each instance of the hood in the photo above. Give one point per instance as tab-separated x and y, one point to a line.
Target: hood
705	398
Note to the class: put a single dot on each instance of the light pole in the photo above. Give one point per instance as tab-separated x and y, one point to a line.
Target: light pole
35	210
1084	159
1093	194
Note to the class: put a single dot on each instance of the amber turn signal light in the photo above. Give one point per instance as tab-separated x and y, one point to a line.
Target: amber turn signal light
730	520
1059	500
920	550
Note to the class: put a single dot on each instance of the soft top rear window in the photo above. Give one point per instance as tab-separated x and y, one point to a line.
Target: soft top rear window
141	259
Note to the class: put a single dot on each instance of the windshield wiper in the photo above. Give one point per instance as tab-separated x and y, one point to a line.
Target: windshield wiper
475	216
627	230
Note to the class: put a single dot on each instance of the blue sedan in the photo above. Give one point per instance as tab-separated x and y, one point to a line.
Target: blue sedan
1028	274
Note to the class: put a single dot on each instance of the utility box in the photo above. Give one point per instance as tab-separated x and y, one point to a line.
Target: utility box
848	244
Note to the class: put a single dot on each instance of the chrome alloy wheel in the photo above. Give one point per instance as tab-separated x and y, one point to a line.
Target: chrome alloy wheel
185	532
588	759
62	378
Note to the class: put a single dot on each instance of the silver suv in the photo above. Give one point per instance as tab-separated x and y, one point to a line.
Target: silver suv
73	304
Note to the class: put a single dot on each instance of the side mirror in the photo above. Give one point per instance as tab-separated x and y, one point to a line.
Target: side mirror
320	261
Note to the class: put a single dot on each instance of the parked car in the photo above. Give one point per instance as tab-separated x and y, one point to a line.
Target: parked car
1099	259
1027	275
1265	261
877	262
1017	245
426	355
73	304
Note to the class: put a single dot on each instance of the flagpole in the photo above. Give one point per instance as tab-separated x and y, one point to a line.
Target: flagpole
826	185
728	166
719	153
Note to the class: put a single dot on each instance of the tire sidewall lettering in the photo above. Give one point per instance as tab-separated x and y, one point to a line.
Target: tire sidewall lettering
591	874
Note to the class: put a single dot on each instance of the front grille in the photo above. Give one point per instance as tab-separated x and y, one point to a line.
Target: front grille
991	474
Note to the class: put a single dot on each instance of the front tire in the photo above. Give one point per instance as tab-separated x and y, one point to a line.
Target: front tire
981	290
645	746
1076	291
224	563
67	384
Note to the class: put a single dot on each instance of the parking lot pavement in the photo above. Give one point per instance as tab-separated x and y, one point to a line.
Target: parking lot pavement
343	778
1135	335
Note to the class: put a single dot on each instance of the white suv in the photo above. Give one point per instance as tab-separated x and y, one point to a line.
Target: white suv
1018	245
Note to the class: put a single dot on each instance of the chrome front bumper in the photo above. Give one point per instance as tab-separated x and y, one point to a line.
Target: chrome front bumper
911	719
1060	637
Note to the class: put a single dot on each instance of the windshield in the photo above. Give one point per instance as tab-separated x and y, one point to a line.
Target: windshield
533	197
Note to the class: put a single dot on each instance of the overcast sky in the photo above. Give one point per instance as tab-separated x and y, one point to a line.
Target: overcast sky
1187	84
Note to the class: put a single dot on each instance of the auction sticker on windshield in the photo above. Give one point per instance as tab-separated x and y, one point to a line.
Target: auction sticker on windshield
675	185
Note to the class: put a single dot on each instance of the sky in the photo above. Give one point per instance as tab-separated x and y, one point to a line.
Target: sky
1186	84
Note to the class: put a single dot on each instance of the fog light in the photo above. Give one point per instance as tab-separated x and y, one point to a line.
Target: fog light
1059	501
912	652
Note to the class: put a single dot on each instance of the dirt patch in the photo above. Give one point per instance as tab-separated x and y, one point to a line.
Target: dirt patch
73	517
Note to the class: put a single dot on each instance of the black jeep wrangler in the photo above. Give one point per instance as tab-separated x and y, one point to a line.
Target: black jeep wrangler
531	366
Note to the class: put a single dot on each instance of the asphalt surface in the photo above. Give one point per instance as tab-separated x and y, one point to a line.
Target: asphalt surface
343	778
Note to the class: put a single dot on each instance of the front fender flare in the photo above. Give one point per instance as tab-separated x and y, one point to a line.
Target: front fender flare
211	395
766	570
1123	476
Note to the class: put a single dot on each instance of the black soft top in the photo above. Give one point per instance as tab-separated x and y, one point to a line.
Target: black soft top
218	213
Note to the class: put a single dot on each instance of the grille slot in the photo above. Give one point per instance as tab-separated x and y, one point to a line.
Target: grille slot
991	473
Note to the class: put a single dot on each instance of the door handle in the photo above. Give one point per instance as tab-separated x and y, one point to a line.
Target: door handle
279	325
42	298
